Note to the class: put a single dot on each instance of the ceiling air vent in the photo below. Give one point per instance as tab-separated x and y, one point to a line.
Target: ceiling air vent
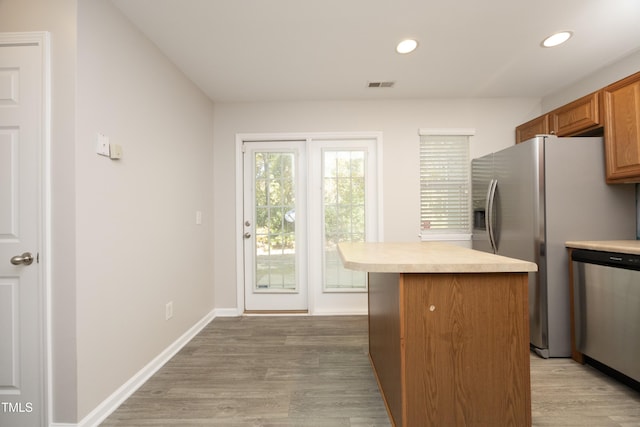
381	84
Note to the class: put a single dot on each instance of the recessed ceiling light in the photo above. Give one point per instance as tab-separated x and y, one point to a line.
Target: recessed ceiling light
406	46
557	38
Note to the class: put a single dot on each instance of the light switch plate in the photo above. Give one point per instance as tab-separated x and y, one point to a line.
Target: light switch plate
102	145
168	310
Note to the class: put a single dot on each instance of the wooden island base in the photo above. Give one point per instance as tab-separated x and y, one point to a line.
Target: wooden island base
451	349
448	333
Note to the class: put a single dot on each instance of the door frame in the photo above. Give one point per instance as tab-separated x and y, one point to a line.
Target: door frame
43	40
306	136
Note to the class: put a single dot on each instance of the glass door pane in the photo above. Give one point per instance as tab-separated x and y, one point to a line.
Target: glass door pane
343	195
275	213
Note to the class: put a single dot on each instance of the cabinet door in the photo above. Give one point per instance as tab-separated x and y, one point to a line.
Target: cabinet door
622	129
577	117
465	340
537	126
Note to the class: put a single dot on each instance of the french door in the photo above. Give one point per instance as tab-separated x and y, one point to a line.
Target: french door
300	199
274	224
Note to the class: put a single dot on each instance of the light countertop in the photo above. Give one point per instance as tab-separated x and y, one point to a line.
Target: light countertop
621	246
426	257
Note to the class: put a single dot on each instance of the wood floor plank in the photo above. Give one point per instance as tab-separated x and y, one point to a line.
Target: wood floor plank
314	372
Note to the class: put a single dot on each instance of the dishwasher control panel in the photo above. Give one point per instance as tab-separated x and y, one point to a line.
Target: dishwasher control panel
611	259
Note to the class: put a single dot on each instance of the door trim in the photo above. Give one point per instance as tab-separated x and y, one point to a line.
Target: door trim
43	40
310	136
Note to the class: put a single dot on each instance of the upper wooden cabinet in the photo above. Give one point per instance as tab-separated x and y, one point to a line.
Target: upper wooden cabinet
532	128
616	108
580	116
622	129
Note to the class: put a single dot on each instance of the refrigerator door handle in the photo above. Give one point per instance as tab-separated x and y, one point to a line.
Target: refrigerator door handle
487	215
491	194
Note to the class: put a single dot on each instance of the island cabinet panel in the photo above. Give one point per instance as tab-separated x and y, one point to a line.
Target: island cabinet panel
384	339
462	348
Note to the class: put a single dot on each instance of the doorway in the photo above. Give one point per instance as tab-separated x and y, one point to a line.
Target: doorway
301	196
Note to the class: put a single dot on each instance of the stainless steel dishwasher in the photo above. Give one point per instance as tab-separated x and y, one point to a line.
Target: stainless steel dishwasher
607	308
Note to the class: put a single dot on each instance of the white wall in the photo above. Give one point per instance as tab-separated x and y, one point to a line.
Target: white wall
138	245
605	76
124	240
399	121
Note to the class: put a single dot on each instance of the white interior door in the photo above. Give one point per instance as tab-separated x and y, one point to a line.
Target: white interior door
21	293
274	226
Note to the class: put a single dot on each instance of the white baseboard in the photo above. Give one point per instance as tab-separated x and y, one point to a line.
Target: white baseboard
110	404
227	312
354	312
234	312
315	313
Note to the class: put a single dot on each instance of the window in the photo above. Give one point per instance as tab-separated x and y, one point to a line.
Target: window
445	184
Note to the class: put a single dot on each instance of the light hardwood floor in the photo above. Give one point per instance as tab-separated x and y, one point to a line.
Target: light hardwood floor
314	372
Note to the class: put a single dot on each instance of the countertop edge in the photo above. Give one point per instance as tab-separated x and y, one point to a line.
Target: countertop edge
383	258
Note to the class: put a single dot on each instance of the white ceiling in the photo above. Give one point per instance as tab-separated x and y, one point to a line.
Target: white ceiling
275	50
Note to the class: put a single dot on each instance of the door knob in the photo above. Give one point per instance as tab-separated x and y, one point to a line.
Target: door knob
26	259
247	235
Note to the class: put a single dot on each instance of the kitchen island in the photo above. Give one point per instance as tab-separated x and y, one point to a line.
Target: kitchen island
448	333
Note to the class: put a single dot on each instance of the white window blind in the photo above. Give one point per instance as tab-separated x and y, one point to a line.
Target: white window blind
444	184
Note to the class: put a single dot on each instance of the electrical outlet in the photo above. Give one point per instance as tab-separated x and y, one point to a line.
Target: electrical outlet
168	310
115	151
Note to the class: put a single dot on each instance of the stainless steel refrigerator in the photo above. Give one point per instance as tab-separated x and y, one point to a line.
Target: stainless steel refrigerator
528	200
